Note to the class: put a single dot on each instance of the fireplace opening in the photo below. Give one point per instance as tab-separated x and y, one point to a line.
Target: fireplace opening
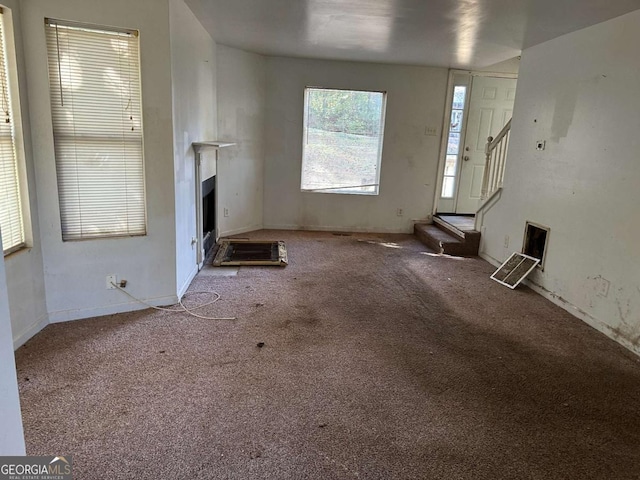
208	214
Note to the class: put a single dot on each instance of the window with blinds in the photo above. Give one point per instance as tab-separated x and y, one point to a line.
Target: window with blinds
94	76
11	223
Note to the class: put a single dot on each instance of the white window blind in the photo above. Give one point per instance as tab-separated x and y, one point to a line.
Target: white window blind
10	208
94	76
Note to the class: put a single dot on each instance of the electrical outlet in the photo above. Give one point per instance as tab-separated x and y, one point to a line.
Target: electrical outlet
506	241
431	131
541	144
112	281
399	212
225	212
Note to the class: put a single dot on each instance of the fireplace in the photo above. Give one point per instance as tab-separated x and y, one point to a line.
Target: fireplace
208	214
206	233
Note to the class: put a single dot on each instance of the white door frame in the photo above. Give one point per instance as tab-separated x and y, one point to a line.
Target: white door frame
198	202
445	130
199	239
198	148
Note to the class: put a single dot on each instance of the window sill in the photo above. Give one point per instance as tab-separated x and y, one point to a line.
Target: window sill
103	237
341	192
14	251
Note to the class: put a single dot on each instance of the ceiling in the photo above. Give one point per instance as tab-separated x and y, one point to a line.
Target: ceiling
448	33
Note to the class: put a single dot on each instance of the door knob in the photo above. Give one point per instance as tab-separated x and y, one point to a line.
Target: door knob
466	158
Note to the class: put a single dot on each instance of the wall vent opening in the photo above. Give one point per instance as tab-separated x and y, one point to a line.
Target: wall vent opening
536	238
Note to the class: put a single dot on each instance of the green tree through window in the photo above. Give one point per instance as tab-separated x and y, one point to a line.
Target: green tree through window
342	141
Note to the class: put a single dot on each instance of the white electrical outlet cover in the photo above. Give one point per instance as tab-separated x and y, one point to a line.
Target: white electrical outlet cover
111	279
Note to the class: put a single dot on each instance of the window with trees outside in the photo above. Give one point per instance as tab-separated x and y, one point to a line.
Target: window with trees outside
453	144
94	78
342	144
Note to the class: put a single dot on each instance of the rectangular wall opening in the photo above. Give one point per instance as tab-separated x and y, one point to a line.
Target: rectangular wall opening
342	143
536	238
208	214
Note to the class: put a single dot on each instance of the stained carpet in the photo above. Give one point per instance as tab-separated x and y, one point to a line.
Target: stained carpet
378	361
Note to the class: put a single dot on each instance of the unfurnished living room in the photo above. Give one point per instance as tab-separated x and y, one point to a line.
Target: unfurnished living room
258	239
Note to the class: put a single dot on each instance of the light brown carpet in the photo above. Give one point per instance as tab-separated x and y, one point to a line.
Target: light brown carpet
379	361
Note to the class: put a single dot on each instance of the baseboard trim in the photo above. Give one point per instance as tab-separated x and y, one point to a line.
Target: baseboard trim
315	228
238	231
572	309
582	315
188	281
80	314
27	335
489	259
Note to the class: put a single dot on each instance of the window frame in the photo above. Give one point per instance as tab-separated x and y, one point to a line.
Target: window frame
382	125
461	132
15	107
111	231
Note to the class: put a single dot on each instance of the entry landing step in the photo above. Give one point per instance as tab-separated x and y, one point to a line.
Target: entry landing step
443	237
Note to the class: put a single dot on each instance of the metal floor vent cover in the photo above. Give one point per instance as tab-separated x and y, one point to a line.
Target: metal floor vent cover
515	269
251	252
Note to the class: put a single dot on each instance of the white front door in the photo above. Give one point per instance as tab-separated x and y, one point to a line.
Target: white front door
490	108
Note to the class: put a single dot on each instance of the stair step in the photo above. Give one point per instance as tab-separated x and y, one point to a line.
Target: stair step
444	241
447	227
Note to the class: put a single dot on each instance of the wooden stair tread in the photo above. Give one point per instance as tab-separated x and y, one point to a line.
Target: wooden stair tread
438	234
443	240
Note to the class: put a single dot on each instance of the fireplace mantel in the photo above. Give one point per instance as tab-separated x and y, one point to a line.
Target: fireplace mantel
211	144
206	159
207	156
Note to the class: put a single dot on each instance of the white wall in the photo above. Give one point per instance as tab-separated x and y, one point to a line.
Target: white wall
75	271
579	93
24	268
511	65
242	103
193	73
11	434
415	100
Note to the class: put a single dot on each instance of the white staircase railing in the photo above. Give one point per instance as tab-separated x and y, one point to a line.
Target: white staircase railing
496	152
